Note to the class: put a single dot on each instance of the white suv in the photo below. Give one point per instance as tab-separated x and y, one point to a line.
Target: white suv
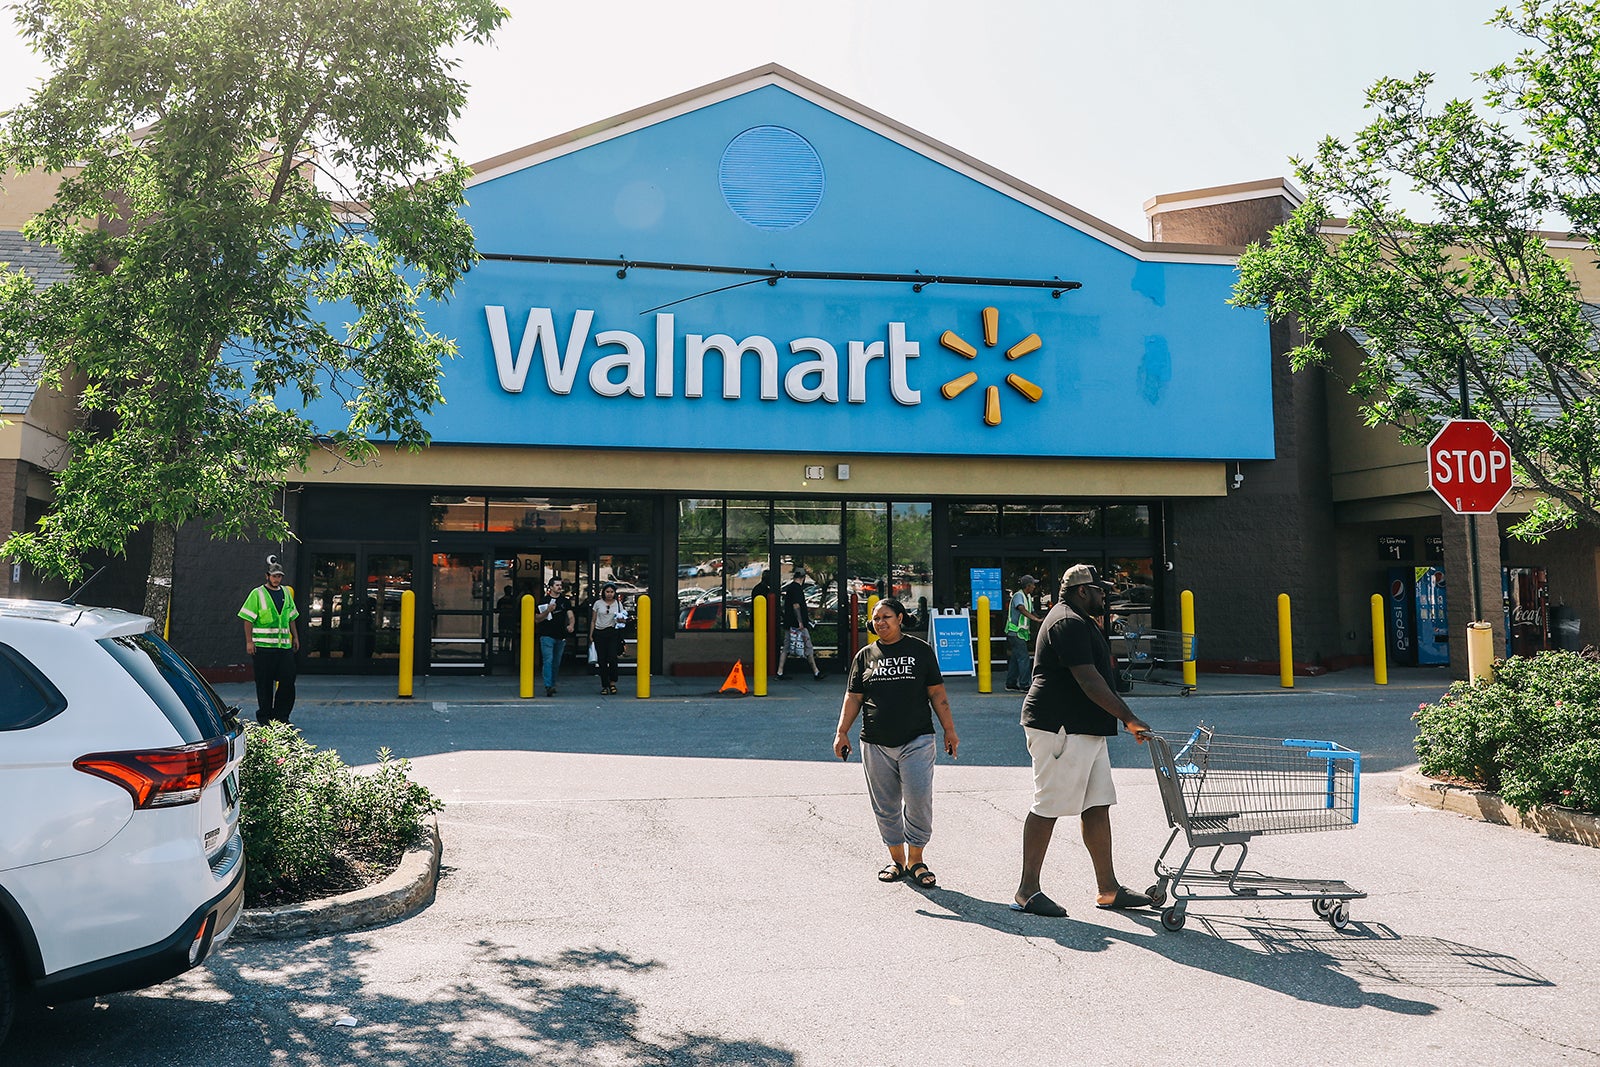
121	863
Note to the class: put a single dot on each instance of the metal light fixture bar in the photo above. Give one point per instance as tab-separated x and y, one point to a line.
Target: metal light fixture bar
771	275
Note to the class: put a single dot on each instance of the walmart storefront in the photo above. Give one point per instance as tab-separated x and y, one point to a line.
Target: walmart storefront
756	326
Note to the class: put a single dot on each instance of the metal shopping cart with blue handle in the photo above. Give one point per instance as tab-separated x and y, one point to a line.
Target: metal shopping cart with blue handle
1220	792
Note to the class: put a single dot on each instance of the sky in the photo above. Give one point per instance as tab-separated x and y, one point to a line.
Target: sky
1101	103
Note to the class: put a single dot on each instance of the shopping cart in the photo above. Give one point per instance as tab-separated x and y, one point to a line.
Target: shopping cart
1222	791
1150	649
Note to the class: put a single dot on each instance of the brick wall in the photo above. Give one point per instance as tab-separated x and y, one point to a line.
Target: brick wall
212	579
1275	533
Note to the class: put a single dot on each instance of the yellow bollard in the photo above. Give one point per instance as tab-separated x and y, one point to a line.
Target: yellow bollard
1186	624
408	641
1380	644
872	605
1480	652
641	611
1285	644
758	661
526	641
985	653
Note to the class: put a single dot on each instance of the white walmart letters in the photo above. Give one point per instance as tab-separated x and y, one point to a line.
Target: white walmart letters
805	382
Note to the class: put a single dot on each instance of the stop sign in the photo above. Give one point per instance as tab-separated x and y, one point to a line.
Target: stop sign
1469	466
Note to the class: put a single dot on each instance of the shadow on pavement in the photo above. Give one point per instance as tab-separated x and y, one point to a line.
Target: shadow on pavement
1311	963
280	1004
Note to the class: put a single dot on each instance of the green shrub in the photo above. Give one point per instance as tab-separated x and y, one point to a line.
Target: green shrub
1532	735
313	826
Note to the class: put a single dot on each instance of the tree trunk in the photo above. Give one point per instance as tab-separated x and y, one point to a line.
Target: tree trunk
158	588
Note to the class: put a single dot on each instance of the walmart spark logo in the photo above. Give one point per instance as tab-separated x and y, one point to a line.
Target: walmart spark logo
991	395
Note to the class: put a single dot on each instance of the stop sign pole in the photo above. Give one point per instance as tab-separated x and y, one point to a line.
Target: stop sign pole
1469	468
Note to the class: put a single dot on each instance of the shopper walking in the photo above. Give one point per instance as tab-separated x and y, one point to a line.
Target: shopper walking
797	620
554	627
1070	712
271	640
605	634
1019	626
893	684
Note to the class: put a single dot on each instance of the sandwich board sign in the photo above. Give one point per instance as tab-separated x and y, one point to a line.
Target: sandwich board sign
951	637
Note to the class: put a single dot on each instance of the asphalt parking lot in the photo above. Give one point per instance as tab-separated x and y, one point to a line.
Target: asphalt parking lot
689	880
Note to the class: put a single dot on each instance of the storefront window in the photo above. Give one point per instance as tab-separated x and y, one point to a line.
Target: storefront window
749	550
464	514
974	520
867	552
700	565
540	514
911	569
625	515
1128	520
1133	598
800	522
1051	520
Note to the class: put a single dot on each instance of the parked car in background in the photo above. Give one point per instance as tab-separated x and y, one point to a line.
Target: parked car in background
705	614
121	863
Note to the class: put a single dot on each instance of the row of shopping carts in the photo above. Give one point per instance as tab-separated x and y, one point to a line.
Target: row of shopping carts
1221	792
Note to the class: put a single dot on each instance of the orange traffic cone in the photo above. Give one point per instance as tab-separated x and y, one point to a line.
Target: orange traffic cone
735	680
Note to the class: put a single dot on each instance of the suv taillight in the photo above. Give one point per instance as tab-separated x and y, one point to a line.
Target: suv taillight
160	777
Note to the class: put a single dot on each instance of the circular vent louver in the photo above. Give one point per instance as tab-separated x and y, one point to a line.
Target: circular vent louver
771	178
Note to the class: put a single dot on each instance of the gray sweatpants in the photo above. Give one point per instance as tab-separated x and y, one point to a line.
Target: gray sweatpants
900	784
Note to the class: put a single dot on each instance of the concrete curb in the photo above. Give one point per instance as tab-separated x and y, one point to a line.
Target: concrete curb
1558	824
406	890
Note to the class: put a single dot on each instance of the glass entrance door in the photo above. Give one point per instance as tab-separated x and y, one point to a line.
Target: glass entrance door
823	594
520	572
351	609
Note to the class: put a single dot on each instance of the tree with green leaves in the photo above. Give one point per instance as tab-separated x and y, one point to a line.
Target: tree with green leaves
236	175
1475	289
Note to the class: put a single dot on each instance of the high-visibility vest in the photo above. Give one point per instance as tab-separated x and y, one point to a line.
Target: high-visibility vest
1016	621
269	627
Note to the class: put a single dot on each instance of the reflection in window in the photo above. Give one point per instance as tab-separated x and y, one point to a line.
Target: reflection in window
867	534
701	567
798	522
1128	520
974	520
540	514
911	570
628	515
748	550
463	514
1132	599
1052	520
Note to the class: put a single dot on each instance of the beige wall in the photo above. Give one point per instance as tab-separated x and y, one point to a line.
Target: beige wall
24	195
723	473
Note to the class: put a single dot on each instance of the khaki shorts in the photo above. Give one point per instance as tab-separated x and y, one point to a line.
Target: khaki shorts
1071	772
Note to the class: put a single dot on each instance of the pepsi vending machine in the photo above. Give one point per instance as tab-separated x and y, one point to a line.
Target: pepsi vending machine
1401	615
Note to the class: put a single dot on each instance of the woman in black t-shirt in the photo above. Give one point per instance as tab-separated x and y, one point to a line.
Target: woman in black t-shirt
896	681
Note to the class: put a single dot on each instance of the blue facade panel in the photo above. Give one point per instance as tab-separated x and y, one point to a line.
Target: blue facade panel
1145	360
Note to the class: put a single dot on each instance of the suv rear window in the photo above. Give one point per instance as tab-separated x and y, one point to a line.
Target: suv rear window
26	696
185	698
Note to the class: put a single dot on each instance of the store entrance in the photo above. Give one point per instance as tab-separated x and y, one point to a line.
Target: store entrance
827	601
351	607
520	572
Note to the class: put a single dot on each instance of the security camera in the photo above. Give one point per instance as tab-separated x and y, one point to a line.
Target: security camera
1238	479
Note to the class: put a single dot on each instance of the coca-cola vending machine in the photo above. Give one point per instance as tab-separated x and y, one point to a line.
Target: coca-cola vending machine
1527	603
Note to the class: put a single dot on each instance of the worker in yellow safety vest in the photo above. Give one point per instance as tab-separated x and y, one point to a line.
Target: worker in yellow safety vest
1019	672
272	639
